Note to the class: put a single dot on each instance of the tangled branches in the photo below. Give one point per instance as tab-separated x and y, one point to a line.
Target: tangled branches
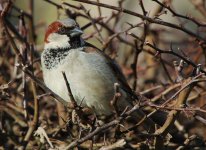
164	62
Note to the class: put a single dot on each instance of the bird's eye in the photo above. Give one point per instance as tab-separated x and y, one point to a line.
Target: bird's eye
62	30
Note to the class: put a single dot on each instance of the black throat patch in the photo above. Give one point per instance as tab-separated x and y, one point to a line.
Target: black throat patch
53	57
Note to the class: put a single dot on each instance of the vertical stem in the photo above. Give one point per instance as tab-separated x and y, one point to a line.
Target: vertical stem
31	21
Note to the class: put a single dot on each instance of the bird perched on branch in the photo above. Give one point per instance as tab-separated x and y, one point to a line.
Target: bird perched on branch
91	74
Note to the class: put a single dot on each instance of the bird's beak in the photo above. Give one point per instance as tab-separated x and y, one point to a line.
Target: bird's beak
76	32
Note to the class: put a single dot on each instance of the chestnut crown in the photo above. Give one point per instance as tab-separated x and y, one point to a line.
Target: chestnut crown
66	27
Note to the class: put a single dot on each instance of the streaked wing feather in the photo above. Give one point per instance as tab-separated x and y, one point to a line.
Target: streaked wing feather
115	68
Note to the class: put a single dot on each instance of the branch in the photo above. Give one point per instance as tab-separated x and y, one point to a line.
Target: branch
181	100
179	15
186	59
151	20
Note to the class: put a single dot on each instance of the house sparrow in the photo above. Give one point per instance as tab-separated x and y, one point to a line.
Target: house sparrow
91	73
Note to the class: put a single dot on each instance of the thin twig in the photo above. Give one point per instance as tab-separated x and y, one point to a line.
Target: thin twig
151	20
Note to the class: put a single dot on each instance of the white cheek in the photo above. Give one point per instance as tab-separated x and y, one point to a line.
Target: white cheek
57	41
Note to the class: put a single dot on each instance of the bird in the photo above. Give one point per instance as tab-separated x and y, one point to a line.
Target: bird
90	72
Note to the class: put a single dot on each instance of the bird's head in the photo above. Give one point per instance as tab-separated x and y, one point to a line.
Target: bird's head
64	33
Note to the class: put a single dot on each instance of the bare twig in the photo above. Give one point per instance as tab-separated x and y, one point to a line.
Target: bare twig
179	15
33	124
151	20
181	100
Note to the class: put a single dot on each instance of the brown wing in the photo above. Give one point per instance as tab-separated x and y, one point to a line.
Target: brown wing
139	114
115	68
